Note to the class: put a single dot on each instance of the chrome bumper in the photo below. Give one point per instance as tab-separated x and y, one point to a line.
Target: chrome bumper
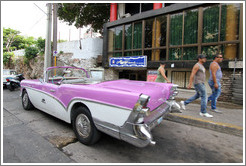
139	134
137	128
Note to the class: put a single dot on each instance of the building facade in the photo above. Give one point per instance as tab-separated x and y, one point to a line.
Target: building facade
175	34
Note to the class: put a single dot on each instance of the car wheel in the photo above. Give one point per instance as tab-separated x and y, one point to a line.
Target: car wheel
26	103
84	127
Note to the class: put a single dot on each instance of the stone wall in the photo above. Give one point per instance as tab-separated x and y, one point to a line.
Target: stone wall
35	67
66	59
33	70
226	84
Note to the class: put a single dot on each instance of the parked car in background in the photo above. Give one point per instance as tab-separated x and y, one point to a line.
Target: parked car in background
125	109
8	73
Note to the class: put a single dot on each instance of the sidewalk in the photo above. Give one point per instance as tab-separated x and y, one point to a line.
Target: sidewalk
230	121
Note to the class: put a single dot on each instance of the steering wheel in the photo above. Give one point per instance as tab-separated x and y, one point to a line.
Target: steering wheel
59	82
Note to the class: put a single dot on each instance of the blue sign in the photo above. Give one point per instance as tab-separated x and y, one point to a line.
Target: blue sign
133	61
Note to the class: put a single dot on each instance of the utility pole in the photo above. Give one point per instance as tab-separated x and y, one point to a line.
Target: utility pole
54	32
47	59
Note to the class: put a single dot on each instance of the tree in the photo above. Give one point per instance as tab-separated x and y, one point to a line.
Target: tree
29	41
8	59
40	43
13	41
84	14
30	53
9	37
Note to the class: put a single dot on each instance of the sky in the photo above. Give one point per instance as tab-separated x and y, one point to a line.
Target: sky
30	19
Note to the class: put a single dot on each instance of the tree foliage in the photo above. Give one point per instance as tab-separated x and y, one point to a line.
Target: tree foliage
40	43
8	58
12	40
30	53
84	14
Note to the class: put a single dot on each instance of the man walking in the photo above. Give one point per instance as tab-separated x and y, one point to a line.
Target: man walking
198	75
214	81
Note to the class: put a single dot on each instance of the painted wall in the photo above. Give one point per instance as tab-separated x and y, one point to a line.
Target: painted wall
19	52
90	48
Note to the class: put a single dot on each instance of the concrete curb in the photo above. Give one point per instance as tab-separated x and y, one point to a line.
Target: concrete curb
219	103
220	127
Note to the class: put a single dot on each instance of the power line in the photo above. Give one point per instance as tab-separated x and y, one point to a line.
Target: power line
36	23
40	9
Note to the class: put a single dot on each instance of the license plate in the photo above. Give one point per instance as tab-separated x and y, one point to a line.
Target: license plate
159	120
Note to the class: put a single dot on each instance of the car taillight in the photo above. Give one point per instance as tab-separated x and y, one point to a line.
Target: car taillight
174	91
7	80
141	108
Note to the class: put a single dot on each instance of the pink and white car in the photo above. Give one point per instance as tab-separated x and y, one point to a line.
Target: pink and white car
124	109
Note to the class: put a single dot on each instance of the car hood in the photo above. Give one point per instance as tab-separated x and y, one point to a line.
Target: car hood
158	92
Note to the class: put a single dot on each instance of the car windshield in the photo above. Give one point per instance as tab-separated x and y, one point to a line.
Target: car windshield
68	76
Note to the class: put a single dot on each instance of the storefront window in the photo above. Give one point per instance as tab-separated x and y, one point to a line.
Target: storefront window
175	53
149	33
161	30
163	55
128	53
211	51
117	54
229	22
189	53
128	36
226	50
137	35
136	53
176	29
111	39
210	24
118	38
190	26
133	53
148	54
184	40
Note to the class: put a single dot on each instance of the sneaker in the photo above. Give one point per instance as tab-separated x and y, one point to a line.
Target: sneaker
206	115
182	105
217	111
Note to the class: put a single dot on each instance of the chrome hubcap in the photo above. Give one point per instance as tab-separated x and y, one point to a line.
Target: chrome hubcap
25	99
83	125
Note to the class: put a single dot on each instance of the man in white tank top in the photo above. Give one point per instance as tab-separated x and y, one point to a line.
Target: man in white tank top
199	77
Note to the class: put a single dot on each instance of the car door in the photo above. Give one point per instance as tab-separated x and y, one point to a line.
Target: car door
51	101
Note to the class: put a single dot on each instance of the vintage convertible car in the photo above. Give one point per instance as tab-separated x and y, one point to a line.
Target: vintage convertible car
124	109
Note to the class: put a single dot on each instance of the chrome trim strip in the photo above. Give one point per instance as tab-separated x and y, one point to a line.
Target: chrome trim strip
107	128
126	135
81	99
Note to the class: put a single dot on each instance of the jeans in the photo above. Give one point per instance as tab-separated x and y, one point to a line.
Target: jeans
200	92
215	93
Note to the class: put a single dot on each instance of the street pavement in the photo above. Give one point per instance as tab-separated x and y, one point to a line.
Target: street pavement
231	121
21	142
35	137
